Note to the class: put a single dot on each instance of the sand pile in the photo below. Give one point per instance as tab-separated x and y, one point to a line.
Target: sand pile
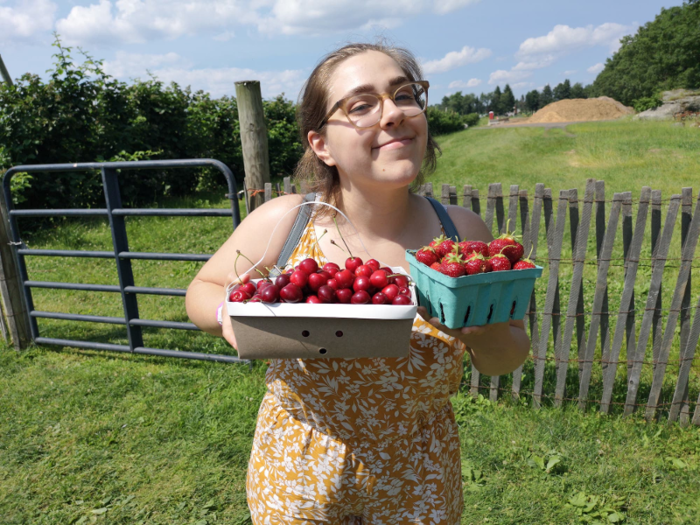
580	109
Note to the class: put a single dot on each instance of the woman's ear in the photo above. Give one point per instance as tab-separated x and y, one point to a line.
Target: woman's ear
320	147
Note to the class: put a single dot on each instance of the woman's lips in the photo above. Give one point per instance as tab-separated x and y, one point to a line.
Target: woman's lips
394	144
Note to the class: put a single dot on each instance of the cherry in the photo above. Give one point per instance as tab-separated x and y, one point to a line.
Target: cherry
363	270
391	291
403	290
282	280
299	277
344	295
313	299
401	280
361	297
238	297
402	300
331	268
351	263
291	293
271	294
326	294
325	274
255	299
262	284
380	298
361	283
309	265
374	264
248	288
345	278
333	284
316	280
379	279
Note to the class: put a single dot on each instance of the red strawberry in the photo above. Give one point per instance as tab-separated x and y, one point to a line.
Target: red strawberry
523	264
435	266
508	246
468	247
427	256
476	264
443	245
500	262
453	266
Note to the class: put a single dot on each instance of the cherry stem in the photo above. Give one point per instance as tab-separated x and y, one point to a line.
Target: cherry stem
251	262
341	237
318	239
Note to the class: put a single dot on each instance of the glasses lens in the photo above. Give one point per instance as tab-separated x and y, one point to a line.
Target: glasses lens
364	110
412	99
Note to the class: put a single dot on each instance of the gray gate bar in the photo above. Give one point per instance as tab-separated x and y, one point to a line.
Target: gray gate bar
158	212
66	253
82	344
163	324
73	286
78	317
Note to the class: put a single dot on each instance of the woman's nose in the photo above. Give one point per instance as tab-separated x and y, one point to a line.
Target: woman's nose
391	114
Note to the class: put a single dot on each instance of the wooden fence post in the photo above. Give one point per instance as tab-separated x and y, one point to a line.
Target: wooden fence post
253	141
11	285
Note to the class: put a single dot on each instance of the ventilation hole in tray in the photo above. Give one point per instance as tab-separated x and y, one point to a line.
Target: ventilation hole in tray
488	318
322	351
466	317
442	314
512	309
339	333
305	333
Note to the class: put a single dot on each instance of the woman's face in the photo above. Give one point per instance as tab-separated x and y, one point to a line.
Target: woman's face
390	152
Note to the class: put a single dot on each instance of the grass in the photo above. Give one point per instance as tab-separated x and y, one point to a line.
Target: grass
90	437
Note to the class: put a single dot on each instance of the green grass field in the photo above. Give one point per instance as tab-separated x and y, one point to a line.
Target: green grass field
91	437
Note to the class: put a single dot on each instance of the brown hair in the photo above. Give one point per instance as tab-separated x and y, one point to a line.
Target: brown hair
313	105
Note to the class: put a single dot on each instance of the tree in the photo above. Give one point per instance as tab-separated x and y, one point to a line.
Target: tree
507	99
664	54
546	97
562	91
532	100
578	91
496	101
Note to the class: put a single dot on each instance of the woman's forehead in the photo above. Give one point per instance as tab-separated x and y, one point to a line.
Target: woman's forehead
369	68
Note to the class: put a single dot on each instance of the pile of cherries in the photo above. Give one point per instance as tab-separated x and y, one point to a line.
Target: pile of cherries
357	283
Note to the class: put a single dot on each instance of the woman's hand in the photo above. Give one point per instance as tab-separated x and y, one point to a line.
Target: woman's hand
469	335
226	327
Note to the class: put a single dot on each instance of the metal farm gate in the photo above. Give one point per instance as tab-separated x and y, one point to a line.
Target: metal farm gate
121	254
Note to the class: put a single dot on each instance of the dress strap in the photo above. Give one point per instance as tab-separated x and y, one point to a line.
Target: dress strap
447	224
296	232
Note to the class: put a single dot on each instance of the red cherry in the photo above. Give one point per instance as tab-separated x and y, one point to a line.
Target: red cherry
401	280
360	297
402	300
352	263
316	280
361	283
363	270
308	265
282	280
255	299
391	291
333	284
238	297
291	293
374	263
380	298
345	278
325	274
344	295
271	294
262	284
331	268
300	278
379	279
313	299
248	288
326	294
403	290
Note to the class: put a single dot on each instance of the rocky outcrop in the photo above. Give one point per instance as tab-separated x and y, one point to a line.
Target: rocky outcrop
675	102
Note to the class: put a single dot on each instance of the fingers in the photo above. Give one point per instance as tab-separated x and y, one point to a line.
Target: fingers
227	330
233	278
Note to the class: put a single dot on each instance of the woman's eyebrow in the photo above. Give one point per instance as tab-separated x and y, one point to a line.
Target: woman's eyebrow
369	88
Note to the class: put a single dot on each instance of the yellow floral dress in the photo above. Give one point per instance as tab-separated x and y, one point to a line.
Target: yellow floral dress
359	441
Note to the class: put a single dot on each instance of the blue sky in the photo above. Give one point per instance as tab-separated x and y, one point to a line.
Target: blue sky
464	45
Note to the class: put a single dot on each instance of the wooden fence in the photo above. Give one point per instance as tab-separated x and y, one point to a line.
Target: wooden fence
619	351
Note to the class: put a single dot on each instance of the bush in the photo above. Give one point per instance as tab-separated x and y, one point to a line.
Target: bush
644	103
441	122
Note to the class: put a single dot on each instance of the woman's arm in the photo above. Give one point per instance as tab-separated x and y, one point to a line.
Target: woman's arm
207	289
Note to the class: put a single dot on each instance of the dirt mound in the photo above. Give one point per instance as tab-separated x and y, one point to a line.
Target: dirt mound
581	109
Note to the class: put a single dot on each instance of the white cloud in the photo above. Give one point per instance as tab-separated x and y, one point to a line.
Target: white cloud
455	59
508	77
521	85
225	36
171	67
596	68
570	72
460	84
447	6
535	63
25	19
564	39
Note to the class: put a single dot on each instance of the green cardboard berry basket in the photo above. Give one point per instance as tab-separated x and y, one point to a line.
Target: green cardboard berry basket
473	300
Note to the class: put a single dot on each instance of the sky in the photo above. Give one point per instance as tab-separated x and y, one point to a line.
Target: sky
463	45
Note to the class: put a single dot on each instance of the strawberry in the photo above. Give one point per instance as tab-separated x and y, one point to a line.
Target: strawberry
500	262
507	245
443	245
523	264
476	264
427	255
453	266
468	247
436	266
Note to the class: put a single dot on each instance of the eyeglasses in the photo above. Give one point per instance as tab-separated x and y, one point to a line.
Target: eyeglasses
365	110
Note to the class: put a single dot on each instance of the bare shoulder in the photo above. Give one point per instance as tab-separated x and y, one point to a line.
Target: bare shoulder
273	211
469	225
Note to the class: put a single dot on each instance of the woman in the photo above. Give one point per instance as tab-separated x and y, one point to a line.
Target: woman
371	441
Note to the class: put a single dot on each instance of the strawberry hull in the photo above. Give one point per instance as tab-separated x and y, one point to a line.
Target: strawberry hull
301	330
473	300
